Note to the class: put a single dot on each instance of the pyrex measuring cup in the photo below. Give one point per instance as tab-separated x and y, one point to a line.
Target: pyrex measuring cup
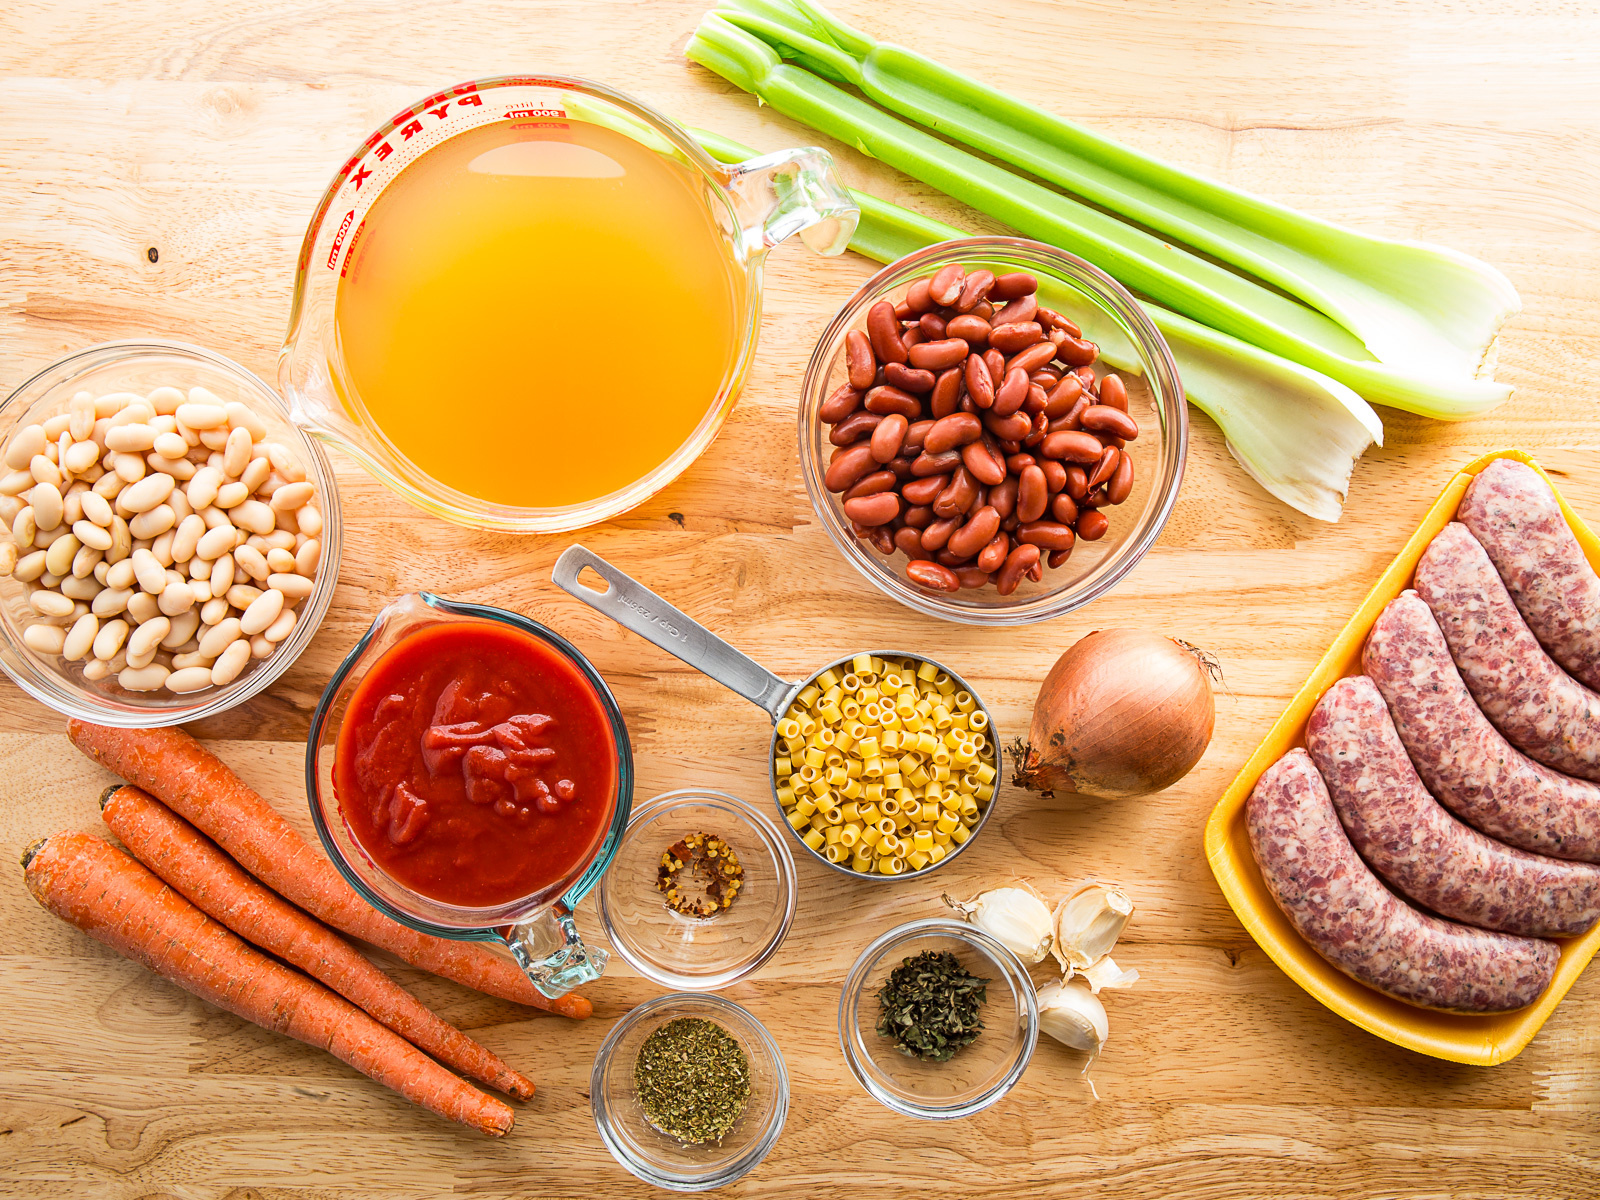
635	607
754	205
538	929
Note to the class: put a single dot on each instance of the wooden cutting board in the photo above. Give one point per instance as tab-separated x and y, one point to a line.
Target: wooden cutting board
158	161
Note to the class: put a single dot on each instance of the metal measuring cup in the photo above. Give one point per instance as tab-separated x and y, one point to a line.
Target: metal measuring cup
634	606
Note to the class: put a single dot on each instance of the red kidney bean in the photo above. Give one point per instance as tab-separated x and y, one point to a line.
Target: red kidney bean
1015	462
1008	445
1013	428
1092	525
1073	417
1018	563
1108	439
996	362
974	288
909	542
993	554
967	406
1077	482
863	368
1019	308
1086	374
958	497
1121	482
1032	357
877	509
903	312
970	329
1114	393
883	331
1105	468
1003	497
1047	535
945	559
937	355
1011	337
942	463
1036	572
1009	287
932	326
911	337
901	466
917	298
853	428
932	576
1009	524
1048	316
889	436
986	466
1063	509
981	526
871	485
1102	418
1072	445
925	490
914	435
1055	475
949	433
945	286
844	401
908	379
1095	499
1032	495
1008	397
849	465
1056	557
936	535
881	537
972	577
918	516
946	397
1036	435
886	398
1076	352
980	386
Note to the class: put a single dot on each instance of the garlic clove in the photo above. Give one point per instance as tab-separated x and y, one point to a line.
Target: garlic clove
1088	924
1104	974
1073	1015
1014	916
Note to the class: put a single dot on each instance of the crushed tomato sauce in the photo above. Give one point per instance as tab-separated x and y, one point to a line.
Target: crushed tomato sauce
475	764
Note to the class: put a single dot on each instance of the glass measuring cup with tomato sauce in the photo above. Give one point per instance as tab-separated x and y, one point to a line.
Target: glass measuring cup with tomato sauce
470	774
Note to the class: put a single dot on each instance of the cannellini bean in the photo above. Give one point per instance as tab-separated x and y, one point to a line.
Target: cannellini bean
24	444
178	598
147	569
164	423
217	541
260	647
184	659
305	558
29	567
17	481
82	423
153	523
206	412
55	427
262	611
49	537
250	560
180	506
145	495
170	445
82	588
254	516
58	558
199	568
110	404
111	601
219	637
231	495
95	670
161	547
184	627
230	663
90	534
129	466
44	470
242	595
279	539
187	537
72	503
280	560
222	575
80	639
101	570
80	456
24	529
109	485
86	560
214	610
47	506
255	475
180	469
121	541
293	587
236	453
188	679
310	521
165	400
292	496
134	412
10	506
44	639
142	607
284	462
54	604
147	637
142	679
97	509
215	439
281	627
215	517
241	416
8	557
130	439
202	489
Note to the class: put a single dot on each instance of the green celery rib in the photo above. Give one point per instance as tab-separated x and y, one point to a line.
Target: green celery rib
1295	431
1199	289
1428	308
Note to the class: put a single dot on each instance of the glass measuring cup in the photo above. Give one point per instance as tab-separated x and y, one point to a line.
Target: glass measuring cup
635	607
753	205
538	928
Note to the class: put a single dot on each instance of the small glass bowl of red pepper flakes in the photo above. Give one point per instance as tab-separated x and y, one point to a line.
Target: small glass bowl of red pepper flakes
701	892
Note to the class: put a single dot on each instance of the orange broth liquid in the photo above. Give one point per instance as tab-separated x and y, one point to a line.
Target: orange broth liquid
538	313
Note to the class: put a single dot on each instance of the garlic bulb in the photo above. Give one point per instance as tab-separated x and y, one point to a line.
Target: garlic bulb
1073	1015
1088	923
1104	974
1014	916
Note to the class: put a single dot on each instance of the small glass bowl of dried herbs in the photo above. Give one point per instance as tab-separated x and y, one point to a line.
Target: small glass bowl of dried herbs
937	1019
689	1091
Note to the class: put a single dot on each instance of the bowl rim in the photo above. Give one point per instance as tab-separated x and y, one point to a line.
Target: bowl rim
1162	376
132	715
852	991
787	876
725	1173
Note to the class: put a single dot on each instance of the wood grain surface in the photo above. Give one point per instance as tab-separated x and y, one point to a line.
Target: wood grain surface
158	160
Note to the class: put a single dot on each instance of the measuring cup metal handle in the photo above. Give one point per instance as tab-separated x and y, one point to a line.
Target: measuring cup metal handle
634	606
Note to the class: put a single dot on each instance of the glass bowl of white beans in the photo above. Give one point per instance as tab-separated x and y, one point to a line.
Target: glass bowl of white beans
173	541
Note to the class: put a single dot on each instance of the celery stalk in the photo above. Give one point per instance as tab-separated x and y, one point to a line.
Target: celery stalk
1294	431
1193	286
1427	308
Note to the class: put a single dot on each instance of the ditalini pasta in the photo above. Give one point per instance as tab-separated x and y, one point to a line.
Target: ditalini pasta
884	767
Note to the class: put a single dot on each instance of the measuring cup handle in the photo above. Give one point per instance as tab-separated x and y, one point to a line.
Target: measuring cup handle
634	606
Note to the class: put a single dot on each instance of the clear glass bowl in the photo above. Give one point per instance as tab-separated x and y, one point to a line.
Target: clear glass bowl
979	1074
140	366
645	1150
687	953
1129	343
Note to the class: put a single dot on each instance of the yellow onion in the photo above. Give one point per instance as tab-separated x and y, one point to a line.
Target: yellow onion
1122	713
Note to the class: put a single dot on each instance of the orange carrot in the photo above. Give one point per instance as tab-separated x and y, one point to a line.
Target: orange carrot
116	901
198	786
189	862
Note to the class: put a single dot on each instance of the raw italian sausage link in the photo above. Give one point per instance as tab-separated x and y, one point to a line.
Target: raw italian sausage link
1343	910
1539	707
1464	760
1516	516
1419	848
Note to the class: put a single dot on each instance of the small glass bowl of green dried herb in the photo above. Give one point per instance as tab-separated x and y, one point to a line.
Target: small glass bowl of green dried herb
937	1019
689	1091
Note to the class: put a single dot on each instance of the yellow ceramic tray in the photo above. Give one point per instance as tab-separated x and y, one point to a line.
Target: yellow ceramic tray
1485	1040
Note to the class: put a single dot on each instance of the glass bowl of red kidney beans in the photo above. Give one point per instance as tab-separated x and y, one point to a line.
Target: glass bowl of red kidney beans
993	431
